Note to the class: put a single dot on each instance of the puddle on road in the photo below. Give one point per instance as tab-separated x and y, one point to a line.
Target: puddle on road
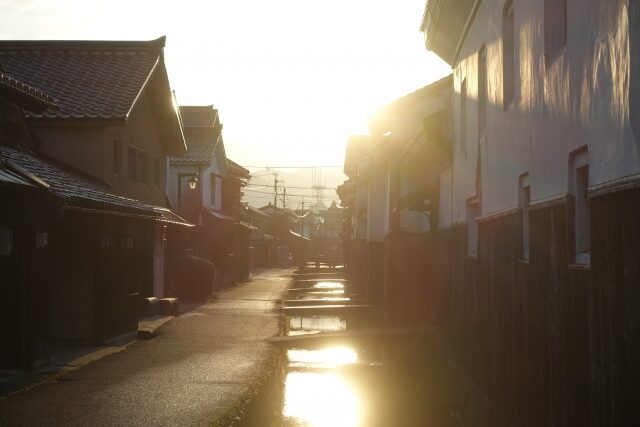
301	325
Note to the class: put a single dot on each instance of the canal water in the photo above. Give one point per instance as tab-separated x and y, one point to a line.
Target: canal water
322	386
354	384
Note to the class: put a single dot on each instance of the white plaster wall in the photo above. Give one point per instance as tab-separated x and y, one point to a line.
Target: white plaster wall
411	220
172	182
361	206
387	203
205	182
218	167
581	98
406	123
377	205
445	211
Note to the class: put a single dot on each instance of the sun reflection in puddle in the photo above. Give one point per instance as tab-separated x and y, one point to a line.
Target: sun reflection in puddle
332	357
328	285
310	325
321	398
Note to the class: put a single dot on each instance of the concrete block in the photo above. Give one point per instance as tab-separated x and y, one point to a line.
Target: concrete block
149	307
169	306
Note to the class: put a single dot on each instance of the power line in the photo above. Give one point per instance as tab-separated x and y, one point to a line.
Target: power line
289	197
288	194
297	188
292	167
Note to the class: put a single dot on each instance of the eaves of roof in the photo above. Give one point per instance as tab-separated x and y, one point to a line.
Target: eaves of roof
237	170
9	178
77	191
142	88
24	95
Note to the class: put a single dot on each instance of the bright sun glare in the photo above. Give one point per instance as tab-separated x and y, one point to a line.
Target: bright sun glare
291	78
332	357
319	398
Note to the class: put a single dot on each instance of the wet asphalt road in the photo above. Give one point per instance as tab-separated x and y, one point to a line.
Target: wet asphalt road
198	364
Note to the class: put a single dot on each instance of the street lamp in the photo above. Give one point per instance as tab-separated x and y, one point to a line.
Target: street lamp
193	182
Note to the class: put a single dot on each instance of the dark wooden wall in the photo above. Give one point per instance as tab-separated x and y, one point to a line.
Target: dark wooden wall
375	290
357	268
614	309
549	342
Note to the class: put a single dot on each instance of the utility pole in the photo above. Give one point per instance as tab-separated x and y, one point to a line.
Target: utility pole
304	217
275	194
284	199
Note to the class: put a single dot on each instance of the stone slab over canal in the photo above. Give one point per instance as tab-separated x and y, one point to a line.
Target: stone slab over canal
198	366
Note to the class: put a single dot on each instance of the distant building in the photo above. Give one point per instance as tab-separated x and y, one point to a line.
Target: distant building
205	187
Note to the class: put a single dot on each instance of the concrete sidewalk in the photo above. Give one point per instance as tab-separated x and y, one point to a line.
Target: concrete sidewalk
198	366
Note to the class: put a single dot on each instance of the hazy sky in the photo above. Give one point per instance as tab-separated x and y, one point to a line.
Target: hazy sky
292	78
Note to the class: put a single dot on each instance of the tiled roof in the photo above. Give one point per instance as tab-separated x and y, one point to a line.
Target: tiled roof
202	133
25	95
237	170
11	179
88	79
169	216
254	211
200	148
218	216
198	116
78	191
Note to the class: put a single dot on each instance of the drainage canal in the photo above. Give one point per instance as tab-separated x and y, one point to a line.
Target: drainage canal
323	384
340	369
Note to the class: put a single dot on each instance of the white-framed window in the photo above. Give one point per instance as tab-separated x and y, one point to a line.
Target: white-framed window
508	54
117	156
137	165
555	28
581	213
525	200
482	90
157	172
143	168
463	115
215	179
473	213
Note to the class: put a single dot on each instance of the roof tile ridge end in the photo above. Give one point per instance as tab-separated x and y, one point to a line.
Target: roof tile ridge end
93	45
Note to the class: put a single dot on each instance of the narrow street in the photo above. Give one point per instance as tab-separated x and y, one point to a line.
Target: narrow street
199	364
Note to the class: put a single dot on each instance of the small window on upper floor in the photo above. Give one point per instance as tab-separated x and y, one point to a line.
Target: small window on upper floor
132	162
555	28
525	200
143	168
473	213
634	63
117	156
508	55
138	165
482	90
157	172
582	215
